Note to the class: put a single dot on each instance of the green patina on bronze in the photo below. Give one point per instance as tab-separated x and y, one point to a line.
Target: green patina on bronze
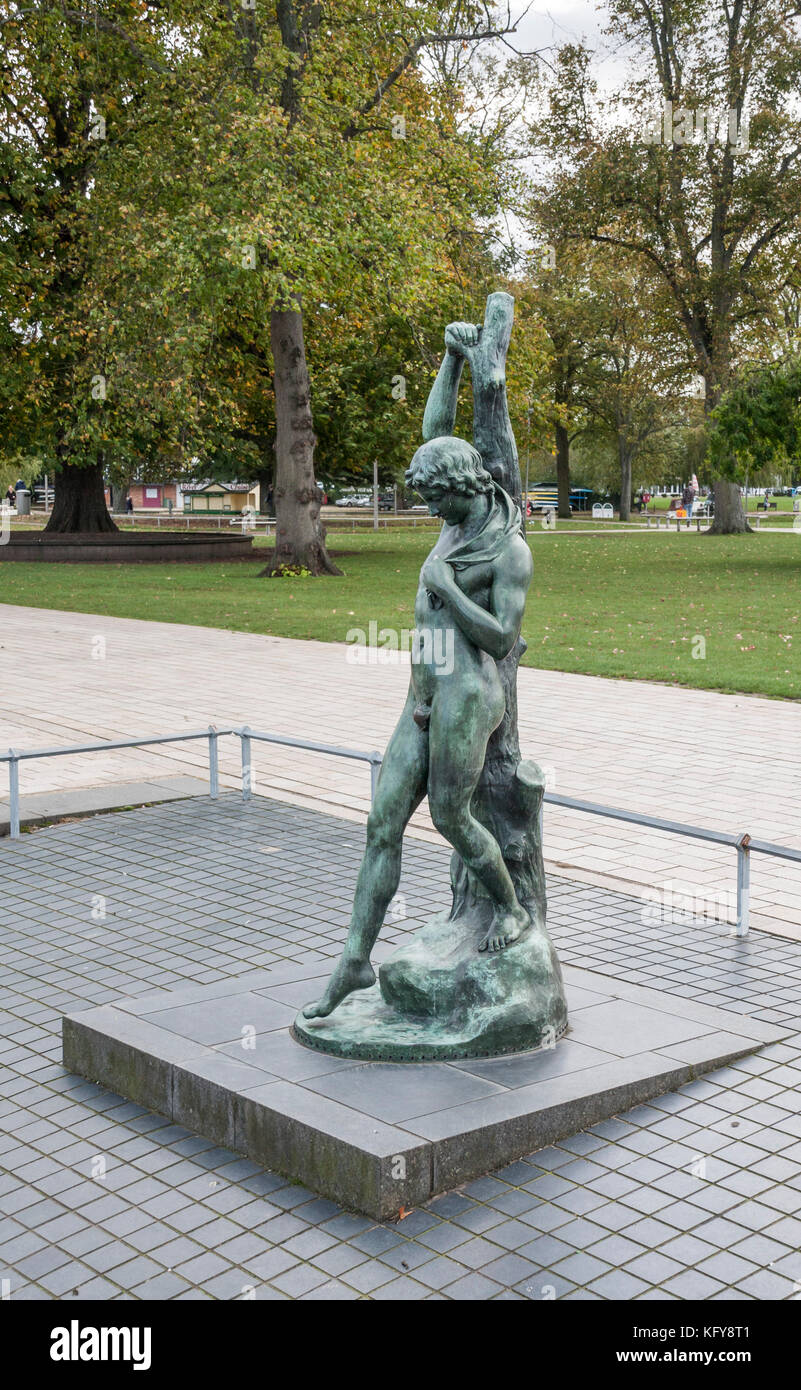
484	979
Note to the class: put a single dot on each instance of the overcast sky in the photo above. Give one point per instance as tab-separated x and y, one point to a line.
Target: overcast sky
550	23
558	21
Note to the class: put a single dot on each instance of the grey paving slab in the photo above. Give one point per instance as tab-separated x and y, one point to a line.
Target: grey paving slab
230	1017
179	923
638	1029
512	1072
395	1094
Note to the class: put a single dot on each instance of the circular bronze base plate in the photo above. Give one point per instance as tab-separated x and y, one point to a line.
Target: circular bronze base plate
365	1028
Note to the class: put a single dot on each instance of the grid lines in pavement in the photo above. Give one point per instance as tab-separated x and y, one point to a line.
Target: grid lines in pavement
695	1195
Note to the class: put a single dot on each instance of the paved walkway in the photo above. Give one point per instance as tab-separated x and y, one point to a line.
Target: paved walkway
71	677
696	1195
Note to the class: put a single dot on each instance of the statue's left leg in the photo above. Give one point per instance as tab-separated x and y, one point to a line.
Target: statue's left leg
461	724
401	788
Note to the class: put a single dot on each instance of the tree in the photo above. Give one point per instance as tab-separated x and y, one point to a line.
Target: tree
563	298
634	379
157	278
64	74
693	166
382	108
758	420
353	182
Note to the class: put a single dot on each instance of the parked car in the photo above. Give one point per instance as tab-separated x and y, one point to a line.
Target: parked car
354	499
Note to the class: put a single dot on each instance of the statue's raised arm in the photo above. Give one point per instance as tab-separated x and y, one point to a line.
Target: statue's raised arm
484	348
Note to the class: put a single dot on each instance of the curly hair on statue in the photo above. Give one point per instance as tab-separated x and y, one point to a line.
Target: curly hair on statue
449	463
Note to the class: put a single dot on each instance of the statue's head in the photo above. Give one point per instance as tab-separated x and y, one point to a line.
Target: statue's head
448	473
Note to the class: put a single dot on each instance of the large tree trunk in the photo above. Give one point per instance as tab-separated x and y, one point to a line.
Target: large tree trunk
299	534
625	480
729	518
80	501
563	471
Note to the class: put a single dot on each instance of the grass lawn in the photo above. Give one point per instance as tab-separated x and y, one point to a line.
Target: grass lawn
625	605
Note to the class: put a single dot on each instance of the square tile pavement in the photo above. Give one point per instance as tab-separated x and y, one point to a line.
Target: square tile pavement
166	896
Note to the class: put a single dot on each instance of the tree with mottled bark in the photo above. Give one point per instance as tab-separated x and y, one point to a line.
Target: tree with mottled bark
382	94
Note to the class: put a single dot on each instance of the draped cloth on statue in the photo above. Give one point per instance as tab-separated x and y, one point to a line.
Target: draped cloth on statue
502	524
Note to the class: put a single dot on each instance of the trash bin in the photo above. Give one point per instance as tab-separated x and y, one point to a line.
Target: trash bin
23	502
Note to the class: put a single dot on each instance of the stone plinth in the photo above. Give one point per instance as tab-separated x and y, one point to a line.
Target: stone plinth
379	1136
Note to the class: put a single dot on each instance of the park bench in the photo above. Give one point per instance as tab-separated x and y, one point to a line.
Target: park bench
663	522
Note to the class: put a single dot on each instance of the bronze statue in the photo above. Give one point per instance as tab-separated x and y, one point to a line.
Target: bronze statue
456	742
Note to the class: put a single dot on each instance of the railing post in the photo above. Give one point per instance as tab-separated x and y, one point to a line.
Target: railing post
214	766
375	768
247	766
13	795
743	885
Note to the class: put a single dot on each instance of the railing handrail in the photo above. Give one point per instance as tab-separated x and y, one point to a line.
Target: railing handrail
21	755
741	841
305	743
697	832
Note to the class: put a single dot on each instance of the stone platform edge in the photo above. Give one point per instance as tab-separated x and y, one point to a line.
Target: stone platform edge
360	1162
78	803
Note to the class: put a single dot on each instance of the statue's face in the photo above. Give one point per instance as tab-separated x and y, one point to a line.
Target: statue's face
453	507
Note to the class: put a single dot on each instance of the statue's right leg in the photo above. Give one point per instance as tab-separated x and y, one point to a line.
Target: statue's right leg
402	784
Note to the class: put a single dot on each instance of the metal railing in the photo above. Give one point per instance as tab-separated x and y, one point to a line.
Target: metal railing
744	844
213	733
741	841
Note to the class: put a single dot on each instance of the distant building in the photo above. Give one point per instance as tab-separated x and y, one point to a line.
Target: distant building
218	498
156	495
214	499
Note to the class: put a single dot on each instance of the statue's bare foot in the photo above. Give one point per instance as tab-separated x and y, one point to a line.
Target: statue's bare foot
506	928
348	976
